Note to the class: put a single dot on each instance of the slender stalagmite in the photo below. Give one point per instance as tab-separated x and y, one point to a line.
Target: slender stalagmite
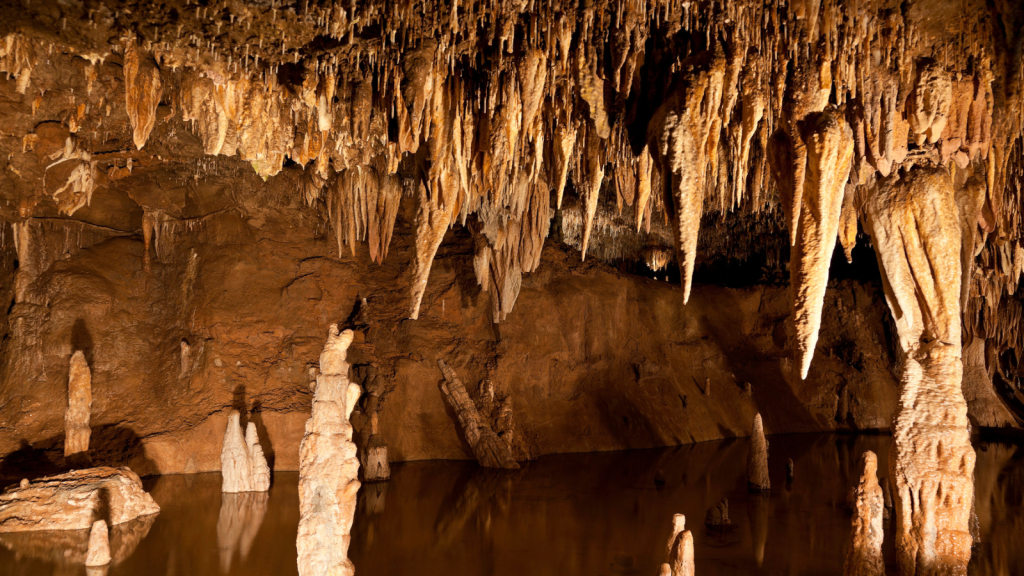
864	557
680	550
99	545
76	419
328	467
757	459
915	228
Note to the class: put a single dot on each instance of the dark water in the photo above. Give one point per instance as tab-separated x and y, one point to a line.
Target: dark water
588	514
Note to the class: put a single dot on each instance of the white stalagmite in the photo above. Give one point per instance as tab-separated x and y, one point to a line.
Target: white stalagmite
864	557
76	419
99	545
680	550
757	459
243	466
915	227
328	467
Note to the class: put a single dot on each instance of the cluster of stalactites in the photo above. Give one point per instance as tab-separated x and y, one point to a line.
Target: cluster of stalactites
496	107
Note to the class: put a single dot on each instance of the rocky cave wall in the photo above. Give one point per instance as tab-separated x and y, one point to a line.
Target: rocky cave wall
193	192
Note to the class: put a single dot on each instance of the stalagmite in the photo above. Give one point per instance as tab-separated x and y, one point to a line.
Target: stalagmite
99	545
328	466
827	145
864	556
757	459
915	228
683	139
375	456
76	419
142	91
490	450
679	554
243	466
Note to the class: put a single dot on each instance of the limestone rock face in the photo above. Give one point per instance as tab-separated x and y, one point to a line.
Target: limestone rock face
73	501
915	227
680	550
864	558
76	419
99	545
490	450
757	460
243	465
328	467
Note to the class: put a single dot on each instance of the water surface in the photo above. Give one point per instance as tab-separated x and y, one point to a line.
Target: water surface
587	514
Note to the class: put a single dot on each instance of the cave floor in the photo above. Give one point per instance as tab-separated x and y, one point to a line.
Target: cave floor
592	514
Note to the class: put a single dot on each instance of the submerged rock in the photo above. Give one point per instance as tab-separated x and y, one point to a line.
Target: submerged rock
74	500
717	518
328	467
375	456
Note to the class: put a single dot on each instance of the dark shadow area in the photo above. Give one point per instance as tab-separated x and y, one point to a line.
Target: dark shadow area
256	417
81	339
110	445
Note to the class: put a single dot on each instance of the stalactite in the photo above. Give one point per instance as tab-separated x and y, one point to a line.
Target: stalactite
142	91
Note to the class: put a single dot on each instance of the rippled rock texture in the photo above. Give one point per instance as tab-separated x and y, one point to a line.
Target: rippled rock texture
74	501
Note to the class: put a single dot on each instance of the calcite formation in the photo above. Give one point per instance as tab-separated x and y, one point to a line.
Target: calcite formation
757	459
243	465
374	462
680	550
915	227
99	545
74	500
76	418
490	450
328	466
864	556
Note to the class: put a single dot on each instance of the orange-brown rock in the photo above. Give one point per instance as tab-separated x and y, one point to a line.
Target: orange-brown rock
72	501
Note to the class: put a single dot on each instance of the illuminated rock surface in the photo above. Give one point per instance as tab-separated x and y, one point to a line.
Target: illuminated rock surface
864	557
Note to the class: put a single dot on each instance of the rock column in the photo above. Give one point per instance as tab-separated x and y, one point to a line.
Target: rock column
76	419
915	227
328	467
864	558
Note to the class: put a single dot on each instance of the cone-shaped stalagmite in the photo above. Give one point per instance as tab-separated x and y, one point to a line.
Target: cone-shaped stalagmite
679	554
243	466
827	153
76	419
328	467
683	139
757	459
99	545
915	228
864	557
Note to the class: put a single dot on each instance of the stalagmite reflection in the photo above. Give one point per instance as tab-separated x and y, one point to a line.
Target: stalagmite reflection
241	515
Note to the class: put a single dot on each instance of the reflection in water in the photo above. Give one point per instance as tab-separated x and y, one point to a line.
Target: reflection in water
241	515
70	547
586	514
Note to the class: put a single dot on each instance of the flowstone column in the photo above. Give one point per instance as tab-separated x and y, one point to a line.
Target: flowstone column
915	227
328	467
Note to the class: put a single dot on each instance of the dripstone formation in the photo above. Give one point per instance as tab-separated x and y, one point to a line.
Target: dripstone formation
243	465
329	468
76	419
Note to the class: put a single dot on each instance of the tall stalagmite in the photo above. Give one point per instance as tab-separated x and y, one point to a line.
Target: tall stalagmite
243	465
864	557
679	554
328	467
76	419
915	228
757	459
